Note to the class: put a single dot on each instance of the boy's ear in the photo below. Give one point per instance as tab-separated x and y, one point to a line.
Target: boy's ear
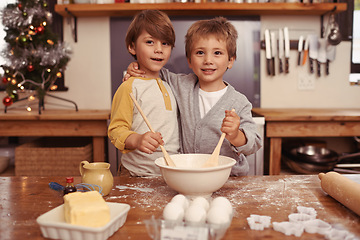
189	62
231	62
131	49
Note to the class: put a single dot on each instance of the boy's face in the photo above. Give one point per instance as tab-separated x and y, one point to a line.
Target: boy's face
151	53
209	60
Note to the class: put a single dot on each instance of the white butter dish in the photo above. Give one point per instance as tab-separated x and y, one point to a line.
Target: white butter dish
53	225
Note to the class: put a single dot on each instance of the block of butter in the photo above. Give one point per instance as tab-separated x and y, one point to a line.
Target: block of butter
86	209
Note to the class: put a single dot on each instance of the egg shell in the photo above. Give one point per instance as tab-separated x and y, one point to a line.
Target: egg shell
173	212
195	214
222	202
217	215
201	201
182	200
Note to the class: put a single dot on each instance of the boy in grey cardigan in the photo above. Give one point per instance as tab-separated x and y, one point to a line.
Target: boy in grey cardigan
203	97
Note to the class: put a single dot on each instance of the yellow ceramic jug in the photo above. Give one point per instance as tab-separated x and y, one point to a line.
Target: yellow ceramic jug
97	173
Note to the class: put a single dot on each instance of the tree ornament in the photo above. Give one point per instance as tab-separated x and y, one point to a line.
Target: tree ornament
4	80
7	101
40	29
25	14
22	39
45	4
20	6
30	67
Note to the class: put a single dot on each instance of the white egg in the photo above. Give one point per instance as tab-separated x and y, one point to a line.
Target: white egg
173	212
195	214
201	201
217	215
222	202
182	200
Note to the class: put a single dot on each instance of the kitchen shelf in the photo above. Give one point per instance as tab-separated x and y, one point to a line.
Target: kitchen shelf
205	9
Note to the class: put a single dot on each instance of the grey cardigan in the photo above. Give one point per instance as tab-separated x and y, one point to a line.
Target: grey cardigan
202	135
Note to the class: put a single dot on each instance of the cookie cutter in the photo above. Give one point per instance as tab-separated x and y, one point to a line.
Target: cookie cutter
317	226
337	234
300	217
289	228
307	210
258	222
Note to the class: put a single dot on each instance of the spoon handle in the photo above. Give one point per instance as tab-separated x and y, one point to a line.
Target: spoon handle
141	112
167	158
214	158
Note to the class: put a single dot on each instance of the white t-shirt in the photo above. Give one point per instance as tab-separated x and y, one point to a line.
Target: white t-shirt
208	99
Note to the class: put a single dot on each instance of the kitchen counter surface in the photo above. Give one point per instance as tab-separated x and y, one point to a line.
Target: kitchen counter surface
23	199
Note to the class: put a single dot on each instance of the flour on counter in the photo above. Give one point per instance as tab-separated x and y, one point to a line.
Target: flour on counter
135	188
148	195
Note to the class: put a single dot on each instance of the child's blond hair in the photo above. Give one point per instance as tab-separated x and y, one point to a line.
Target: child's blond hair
155	22
219	27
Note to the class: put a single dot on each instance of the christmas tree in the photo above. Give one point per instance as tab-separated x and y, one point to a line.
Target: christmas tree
35	56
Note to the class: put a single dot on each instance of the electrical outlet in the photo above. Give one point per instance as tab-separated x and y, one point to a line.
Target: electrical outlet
306	82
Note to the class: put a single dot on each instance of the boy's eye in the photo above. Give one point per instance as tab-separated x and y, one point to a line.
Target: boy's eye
199	53
165	44
149	42
217	53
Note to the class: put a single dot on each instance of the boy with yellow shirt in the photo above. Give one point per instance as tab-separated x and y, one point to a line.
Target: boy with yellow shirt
150	39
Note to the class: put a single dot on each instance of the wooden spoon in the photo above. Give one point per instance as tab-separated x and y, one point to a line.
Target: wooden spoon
167	158
213	161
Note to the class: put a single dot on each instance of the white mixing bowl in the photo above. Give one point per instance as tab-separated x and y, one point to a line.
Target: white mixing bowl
190	178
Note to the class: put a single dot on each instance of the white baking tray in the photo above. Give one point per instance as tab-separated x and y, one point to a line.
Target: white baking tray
53	225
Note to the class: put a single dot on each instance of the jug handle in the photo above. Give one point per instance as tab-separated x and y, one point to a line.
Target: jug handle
81	167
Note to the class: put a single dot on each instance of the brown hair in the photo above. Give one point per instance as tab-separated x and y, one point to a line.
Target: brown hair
219	27
155	22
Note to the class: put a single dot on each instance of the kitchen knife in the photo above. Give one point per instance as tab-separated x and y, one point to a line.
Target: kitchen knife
268	51
300	48
313	50
306	50
281	49
287	49
273	51
330	55
321	54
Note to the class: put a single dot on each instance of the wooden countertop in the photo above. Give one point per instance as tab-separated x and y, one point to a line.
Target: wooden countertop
23	199
308	114
55	114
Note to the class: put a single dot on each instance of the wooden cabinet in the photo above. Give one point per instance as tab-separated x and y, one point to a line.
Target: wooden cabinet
191	9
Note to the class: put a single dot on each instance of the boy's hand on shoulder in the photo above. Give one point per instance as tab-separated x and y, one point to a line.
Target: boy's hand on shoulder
133	71
230	126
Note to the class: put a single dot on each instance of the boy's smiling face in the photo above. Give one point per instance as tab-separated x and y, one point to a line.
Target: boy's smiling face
151	53
209	60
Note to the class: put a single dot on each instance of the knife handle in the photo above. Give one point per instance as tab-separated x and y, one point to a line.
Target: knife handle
273	66
280	66
286	65
311	65
304	57
327	67
268	67
318	68
299	59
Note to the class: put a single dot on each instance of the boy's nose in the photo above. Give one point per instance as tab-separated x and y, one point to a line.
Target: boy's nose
207	59
158	48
